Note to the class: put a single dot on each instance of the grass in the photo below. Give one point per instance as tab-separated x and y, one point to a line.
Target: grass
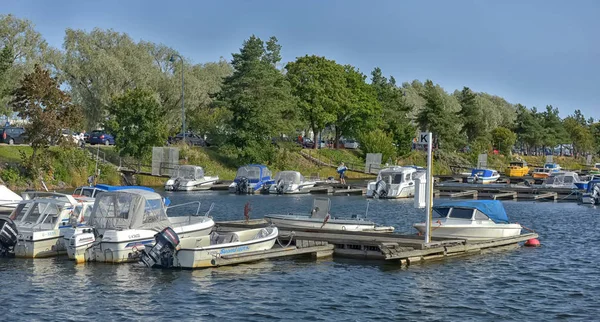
12	154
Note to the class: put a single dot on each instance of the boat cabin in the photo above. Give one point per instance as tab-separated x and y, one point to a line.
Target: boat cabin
517	168
563	180
92	191
253	172
293	177
473	210
398	175
188	172
47	211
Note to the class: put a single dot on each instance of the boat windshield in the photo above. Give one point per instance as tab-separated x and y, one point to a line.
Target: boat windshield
461	213
289	177
480	173
188	173
442	212
394	177
87	211
248	172
36	212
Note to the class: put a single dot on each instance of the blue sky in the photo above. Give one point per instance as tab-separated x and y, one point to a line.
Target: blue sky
530	52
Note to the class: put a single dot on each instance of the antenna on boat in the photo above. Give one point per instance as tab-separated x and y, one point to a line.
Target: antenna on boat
367	211
212	205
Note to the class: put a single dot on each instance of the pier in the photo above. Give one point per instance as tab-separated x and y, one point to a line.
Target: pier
402	249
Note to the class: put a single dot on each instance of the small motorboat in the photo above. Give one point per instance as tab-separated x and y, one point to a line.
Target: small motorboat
320	218
42	218
123	221
592	193
92	191
189	178
546	171
517	169
197	252
471	220
484	176
8	200
288	182
565	180
395	182
251	178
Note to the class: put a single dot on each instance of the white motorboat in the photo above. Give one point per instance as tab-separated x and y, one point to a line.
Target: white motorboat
42	218
122	222
8	199
288	182
188	178
471	220
320	218
592	194
395	182
483	176
564	180
251	178
198	252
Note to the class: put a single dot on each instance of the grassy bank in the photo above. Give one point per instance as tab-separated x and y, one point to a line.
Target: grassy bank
63	168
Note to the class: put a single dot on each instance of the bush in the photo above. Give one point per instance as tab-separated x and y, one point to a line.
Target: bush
12	176
378	142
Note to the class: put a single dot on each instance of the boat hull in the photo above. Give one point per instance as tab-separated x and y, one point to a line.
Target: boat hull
192	185
48	247
483	180
472	232
394	193
293	189
206	256
309	223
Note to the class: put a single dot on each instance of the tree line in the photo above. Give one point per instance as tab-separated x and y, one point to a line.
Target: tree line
133	88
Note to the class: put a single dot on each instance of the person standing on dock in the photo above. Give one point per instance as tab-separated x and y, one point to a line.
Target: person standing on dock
342	171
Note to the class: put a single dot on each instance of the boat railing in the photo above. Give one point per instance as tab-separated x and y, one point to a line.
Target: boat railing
186	204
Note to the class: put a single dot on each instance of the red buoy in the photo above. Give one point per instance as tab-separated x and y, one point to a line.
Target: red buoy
533	242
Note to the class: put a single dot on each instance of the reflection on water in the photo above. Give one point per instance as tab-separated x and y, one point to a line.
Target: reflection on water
556	281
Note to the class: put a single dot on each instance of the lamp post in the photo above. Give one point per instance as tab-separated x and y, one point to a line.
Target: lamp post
172	59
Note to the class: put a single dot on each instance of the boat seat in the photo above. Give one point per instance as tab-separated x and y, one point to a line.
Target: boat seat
216	238
261	234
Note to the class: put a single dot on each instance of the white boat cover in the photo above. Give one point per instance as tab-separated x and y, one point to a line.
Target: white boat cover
289	177
188	172
129	209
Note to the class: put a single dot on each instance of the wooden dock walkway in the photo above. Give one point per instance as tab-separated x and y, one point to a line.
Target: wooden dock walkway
404	249
514	192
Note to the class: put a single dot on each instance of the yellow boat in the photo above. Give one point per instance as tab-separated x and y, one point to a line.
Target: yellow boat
517	169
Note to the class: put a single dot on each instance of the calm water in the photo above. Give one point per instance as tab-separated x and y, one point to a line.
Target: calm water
557	281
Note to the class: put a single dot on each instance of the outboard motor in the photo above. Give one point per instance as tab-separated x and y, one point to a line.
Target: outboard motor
280	187
163	251
381	189
242	186
8	236
596	195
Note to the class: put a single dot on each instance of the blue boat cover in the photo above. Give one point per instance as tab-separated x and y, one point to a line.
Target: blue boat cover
591	185
484	173
116	188
491	208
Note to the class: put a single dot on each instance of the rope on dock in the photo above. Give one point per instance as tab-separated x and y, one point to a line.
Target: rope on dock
572	192
290	236
531	230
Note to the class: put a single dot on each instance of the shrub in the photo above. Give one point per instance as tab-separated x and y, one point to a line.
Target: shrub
378	141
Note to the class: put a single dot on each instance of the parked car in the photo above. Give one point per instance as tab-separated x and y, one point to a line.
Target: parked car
74	137
190	139
13	135
101	137
86	137
308	143
350	144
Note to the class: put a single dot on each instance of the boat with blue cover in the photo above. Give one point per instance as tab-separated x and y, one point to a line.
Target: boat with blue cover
483	176
251	178
471	220
592	193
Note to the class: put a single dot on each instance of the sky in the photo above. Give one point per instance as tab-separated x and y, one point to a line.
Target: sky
531	52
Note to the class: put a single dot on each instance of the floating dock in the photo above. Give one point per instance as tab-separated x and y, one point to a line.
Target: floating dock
514	192
403	249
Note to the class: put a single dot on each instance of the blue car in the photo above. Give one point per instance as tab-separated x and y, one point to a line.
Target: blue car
101	137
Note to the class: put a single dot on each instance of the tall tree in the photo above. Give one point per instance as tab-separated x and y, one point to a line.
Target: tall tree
553	130
470	114
22	48
319	86
395	110
437	118
257	93
504	139
136	118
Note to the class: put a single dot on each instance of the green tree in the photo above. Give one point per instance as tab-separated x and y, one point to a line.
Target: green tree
22	48
5	64
359	109
378	141
49	110
136	118
553	130
319	85
504	139
438	118
579	134
471	115
257	94
528	127
395	110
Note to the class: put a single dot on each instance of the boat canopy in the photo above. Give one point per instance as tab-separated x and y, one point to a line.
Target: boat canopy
253	171
188	172
396	175
552	166
129	209
491	208
289	177
562	178
484	173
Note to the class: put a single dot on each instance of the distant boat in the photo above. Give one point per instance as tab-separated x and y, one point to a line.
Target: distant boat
395	182
188	178
565	180
592	193
471	220
251	178
483	176
290	182
517	169
546	171
8	199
